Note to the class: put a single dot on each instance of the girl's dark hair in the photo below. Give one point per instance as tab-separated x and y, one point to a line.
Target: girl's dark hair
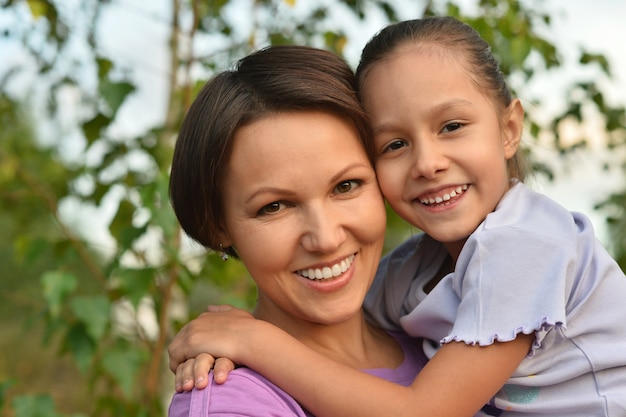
456	37
273	80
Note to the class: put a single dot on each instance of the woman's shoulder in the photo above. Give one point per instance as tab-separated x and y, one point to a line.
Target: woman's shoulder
245	393
418	254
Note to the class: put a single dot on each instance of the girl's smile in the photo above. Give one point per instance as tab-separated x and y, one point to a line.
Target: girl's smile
445	197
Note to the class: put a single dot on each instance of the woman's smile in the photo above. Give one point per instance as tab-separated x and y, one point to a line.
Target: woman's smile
327	272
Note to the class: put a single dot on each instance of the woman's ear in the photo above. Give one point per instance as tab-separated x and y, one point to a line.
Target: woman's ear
224	240
513	125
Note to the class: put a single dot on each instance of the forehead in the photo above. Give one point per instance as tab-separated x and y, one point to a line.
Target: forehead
287	142
418	77
417	61
297	130
433	57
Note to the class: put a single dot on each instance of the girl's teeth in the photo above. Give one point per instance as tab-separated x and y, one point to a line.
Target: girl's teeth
440	199
327	272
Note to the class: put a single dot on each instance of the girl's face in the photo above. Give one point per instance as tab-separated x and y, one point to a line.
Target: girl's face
304	212
441	144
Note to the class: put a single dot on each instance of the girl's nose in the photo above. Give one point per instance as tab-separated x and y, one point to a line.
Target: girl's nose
324	229
428	160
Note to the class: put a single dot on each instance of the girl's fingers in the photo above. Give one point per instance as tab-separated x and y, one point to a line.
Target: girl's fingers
222	368
201	367
184	380
219	308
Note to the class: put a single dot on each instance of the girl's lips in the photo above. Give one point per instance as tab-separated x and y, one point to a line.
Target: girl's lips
442	196
327	272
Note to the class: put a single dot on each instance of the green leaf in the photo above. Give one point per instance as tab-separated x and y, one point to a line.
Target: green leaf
127	235
28	248
8	168
38	8
123	219
93	127
588	58
114	93
57	286
80	345
123	364
40	405
156	198
520	49
4	388
135	283
94	312
104	66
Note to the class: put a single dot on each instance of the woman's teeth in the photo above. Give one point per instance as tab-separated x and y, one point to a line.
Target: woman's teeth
444	197
328	271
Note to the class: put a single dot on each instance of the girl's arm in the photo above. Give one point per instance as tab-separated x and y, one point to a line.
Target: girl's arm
456	382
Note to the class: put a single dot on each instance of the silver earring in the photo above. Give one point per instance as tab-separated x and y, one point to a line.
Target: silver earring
223	255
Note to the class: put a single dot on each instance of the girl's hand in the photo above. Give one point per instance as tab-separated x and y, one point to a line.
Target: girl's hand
195	371
213	334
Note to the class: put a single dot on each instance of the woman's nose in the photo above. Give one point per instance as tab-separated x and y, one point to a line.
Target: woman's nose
324	229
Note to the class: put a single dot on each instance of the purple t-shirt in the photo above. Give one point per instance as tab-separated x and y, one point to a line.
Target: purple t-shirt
247	393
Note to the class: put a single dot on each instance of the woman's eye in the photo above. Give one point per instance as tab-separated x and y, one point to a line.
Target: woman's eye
271	208
451	127
346	186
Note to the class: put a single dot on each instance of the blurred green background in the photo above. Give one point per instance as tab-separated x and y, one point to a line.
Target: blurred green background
96	276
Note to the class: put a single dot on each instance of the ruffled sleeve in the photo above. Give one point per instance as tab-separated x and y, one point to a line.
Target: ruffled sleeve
510	282
515	272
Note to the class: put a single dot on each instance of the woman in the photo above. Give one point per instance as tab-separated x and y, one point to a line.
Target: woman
273	165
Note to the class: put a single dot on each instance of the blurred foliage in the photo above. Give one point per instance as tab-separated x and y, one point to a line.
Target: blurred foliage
109	310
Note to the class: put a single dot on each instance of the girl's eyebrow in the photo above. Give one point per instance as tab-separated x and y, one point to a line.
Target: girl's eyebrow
439	108
450	105
382	128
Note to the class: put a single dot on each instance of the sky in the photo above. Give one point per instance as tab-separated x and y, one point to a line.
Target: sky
135	32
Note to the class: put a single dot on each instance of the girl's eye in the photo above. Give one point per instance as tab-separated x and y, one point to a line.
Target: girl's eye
451	127
346	186
271	208
394	145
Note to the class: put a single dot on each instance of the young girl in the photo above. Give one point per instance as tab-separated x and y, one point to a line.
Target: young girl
523	305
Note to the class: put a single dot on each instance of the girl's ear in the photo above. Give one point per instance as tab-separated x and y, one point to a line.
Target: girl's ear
513	125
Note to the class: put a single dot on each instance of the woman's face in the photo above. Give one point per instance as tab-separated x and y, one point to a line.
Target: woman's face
304	212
